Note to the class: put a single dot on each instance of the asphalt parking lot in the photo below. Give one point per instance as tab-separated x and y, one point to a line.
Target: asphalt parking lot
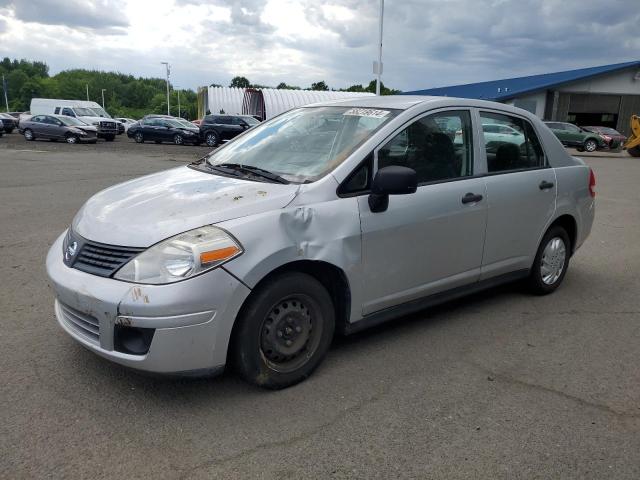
499	385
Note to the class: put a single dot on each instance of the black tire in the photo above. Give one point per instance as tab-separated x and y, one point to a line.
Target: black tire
110	138
634	152
28	135
590	145
138	137
284	331
542	284
178	139
8	130
211	139
70	138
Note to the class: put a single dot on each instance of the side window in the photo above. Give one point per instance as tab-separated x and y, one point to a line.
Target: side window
67	111
57	110
224	120
360	179
518	148
37	119
438	147
237	121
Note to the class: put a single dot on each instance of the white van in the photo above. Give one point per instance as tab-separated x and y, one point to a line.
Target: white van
89	112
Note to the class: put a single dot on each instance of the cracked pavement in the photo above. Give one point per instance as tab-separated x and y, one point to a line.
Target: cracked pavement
498	385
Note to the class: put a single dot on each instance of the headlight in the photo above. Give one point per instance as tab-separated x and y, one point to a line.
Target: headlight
180	257
79	131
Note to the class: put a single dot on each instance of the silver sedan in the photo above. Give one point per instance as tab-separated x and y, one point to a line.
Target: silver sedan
329	218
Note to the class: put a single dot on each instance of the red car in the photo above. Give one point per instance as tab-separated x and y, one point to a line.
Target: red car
612	137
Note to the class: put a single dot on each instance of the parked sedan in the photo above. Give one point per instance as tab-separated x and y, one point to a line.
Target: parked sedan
573	136
163	129
215	129
9	122
58	127
332	217
613	138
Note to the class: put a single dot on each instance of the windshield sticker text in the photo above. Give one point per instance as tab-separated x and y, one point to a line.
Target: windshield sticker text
367	112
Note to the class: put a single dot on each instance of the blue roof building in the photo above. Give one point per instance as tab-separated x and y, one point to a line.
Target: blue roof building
606	95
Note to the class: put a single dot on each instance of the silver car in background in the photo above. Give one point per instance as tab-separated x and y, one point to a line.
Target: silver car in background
331	217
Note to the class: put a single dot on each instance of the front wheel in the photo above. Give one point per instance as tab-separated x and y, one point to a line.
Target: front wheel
110	138
284	331
551	262
590	145
211	139
178	139
138	137
71	138
28	135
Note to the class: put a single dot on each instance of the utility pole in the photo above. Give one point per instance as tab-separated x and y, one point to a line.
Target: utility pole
103	90
166	64
87	92
378	66
4	87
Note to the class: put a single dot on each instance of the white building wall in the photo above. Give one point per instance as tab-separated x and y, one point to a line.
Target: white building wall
621	83
537	101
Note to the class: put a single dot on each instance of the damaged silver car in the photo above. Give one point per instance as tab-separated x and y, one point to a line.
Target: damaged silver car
332	217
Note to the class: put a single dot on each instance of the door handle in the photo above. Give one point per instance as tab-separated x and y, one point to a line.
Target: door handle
544	185
471	198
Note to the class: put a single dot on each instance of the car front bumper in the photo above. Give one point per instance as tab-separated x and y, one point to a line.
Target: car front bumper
191	320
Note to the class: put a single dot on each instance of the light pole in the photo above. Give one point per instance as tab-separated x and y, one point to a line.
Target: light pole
87	92
378	69
166	64
103	90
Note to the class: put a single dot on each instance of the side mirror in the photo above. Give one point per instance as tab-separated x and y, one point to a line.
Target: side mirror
393	180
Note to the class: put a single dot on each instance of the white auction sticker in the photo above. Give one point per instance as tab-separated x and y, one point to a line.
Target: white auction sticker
367	112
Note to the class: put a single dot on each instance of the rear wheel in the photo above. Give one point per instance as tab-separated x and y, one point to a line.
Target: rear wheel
284	331
70	138
178	139
590	145
138	137
551	262
28	135
211	139
110	138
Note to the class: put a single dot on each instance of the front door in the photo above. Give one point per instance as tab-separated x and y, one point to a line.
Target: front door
521	191
432	240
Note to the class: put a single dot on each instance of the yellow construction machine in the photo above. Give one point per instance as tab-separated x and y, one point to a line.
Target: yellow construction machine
633	142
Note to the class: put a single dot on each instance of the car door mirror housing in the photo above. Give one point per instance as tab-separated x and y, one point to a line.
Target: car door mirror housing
392	180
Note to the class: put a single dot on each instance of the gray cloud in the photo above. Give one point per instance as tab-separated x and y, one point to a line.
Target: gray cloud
102	15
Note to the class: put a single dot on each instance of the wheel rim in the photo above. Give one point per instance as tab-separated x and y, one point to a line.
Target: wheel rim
590	146
28	135
71	139
290	333
138	137
552	261
211	139
178	139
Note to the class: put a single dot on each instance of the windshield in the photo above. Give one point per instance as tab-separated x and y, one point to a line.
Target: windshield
250	120
303	145
71	121
99	112
186	124
84	112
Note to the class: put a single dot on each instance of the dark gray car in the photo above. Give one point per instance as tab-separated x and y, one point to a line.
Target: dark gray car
58	127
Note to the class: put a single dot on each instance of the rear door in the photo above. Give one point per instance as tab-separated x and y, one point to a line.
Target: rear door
432	240
521	196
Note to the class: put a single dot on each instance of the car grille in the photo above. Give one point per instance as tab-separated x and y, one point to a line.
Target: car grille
84	325
108	125
103	260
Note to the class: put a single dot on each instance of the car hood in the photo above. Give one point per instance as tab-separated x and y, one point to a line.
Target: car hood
86	128
144	211
97	119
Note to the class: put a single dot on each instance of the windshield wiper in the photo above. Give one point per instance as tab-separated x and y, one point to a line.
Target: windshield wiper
260	172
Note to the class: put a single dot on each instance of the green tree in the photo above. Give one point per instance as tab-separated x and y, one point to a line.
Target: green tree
240	82
321	85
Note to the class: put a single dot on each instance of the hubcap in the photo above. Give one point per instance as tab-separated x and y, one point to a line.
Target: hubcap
28	134
591	146
552	262
138	137
290	334
211	140
71	139
178	140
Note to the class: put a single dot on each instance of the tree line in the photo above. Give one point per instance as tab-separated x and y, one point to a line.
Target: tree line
124	95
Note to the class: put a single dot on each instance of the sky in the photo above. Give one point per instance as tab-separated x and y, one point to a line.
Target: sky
426	43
